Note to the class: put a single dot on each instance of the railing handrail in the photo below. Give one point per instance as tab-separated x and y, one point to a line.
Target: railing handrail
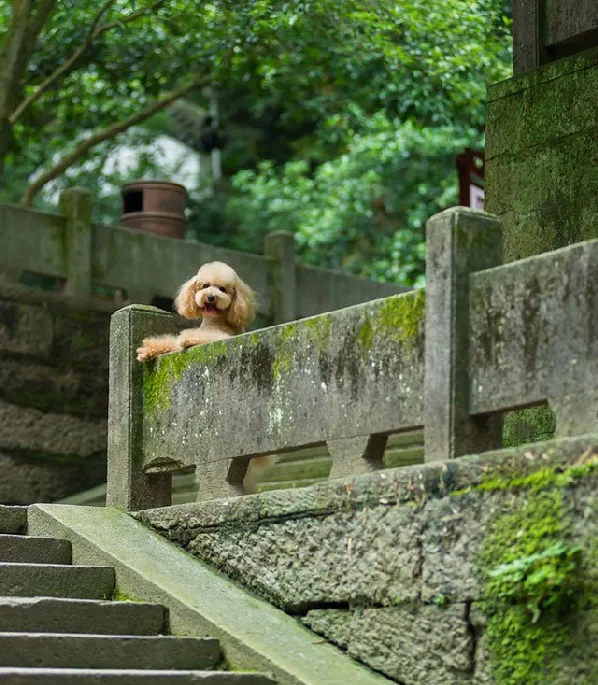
87	255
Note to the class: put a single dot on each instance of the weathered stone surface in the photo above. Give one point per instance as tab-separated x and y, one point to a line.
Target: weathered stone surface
362	557
320	290
541	153
32	241
393	566
108	651
459	242
78	392
26	329
546	31
49	433
59	615
13	520
410	644
29	550
35	477
534	337
296	385
72	676
79	582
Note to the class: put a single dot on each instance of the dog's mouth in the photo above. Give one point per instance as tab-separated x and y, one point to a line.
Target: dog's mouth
210	308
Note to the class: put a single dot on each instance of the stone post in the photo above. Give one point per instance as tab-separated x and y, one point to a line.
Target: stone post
459	242
127	486
279	250
75	205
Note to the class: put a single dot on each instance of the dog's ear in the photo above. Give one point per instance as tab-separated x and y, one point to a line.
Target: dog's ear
185	303
242	310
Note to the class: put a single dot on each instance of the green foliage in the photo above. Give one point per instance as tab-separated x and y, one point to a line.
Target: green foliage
532	574
542	580
390	110
343	119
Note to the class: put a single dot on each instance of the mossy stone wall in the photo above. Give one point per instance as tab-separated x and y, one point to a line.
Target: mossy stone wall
542	156
477	571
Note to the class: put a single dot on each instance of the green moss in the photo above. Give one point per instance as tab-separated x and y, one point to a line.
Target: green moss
402	317
365	335
549	477
122	597
286	345
159	376
525	648
320	327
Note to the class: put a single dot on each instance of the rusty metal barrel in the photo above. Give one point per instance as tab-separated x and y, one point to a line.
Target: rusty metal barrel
155	207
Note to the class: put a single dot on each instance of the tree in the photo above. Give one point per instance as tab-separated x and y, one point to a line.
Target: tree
380	157
76	74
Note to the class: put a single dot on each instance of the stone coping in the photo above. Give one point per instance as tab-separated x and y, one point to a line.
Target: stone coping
402	485
548	72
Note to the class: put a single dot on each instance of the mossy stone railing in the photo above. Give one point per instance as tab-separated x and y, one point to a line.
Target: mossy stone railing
480	340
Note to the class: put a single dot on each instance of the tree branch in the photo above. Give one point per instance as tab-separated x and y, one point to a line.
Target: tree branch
94	32
106	134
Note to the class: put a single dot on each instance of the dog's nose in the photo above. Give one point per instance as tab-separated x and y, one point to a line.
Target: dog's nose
210	298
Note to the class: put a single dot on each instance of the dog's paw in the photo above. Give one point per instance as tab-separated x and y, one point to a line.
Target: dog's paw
185	343
144	354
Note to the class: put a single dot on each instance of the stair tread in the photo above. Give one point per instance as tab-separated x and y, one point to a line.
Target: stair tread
53	614
23	676
56	580
91	651
35	550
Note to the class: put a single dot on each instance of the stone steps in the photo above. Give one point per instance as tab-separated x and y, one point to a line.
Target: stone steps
13	520
24	549
58	624
54	580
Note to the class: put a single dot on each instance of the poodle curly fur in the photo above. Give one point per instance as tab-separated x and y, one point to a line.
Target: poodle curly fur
216	295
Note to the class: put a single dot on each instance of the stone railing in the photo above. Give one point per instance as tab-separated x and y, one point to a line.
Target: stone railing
480	340
134	266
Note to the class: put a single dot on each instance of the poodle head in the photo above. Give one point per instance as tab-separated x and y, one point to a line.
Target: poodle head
217	292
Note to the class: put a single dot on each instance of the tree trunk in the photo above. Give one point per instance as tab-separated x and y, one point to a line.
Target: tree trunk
27	21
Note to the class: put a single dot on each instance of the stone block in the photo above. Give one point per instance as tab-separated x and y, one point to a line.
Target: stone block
411	644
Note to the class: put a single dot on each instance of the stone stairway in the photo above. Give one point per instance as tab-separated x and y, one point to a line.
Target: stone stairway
58	624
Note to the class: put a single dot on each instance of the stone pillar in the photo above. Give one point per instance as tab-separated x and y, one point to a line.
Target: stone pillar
279	250
459	242
127	486
75	205
542	130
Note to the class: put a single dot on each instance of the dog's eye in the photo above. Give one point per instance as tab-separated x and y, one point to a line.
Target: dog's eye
205	285
222	288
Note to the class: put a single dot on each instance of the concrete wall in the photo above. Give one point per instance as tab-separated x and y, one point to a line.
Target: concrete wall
396	567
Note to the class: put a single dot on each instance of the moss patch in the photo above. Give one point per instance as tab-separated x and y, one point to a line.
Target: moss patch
159	376
398	318
533	593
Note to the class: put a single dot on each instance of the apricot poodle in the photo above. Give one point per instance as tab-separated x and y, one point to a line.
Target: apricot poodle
219	297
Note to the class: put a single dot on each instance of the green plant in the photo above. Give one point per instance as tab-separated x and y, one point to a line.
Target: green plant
546	579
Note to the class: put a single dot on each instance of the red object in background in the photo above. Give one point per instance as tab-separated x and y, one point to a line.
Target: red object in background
471	165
